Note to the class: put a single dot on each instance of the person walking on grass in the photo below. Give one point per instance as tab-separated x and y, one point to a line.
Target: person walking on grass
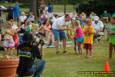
48	32
79	37
58	28
111	32
88	37
98	28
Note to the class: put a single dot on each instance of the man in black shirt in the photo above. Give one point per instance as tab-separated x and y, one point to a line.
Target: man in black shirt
31	62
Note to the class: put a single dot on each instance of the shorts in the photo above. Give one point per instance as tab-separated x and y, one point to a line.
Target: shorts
88	46
111	46
80	39
59	35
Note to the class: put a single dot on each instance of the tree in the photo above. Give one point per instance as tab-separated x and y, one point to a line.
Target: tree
65	3
33	7
36	5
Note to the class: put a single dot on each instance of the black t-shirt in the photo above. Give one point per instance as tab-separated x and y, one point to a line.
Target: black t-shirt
27	54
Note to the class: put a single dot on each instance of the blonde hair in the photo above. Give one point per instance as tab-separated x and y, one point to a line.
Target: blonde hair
22	13
88	20
8	24
77	21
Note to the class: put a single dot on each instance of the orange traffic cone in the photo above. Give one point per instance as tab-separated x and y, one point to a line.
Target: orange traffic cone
107	67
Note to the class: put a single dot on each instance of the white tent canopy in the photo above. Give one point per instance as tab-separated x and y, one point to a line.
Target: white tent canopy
3	8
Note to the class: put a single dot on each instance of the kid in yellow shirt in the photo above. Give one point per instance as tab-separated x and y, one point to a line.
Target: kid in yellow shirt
88	37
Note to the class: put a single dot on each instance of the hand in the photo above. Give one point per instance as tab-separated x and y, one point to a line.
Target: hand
7	32
68	28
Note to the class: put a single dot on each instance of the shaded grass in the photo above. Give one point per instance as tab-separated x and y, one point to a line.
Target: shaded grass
68	65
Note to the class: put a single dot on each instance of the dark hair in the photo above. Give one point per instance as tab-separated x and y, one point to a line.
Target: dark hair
66	15
45	21
55	15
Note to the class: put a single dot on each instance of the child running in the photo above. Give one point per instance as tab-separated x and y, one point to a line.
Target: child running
78	37
111	33
88	37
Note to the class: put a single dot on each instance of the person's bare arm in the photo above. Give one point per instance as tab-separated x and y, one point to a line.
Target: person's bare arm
111	33
11	32
62	27
40	28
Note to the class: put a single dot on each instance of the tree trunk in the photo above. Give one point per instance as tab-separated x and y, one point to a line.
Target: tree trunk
65	5
33	7
42	4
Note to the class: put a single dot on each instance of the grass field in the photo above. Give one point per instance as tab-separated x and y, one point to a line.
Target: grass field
60	8
56	8
68	65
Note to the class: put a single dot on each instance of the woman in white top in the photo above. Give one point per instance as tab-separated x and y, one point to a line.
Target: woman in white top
22	18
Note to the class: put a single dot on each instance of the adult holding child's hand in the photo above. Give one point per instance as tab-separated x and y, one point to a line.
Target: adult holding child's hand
58	28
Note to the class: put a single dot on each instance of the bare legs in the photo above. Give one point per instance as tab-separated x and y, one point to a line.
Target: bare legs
88	53
64	46
111	48
78	48
56	43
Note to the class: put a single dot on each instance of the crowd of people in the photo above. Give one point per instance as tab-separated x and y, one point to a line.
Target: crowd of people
80	28
55	28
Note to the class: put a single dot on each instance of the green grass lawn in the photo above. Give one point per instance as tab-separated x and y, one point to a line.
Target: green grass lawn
7	4
68	65
60	8
56	8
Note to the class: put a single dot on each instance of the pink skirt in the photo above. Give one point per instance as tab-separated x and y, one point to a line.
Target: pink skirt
8	43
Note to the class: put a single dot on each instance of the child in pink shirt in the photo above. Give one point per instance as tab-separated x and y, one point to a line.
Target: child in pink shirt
78	37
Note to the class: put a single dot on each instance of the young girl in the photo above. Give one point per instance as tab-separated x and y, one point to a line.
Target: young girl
15	30
48	32
78	37
88	37
8	42
111	33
